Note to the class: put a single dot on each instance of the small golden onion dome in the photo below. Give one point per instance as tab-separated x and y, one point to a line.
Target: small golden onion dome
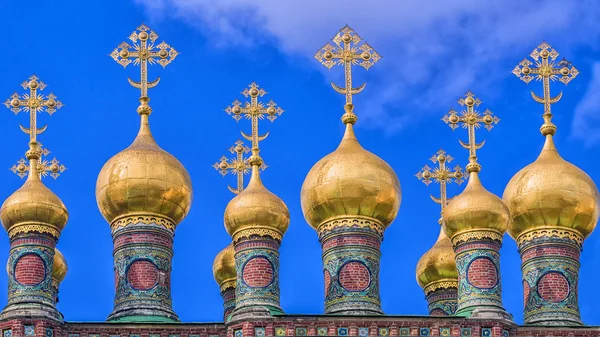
437	264
475	209
144	179
59	267
34	204
551	192
256	208
224	266
350	181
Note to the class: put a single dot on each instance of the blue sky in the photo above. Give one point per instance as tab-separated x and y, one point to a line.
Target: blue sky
433	52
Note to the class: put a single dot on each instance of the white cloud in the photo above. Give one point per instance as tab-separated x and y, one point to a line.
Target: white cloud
433	50
586	123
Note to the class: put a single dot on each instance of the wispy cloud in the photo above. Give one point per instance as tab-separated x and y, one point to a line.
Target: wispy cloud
586	122
433	50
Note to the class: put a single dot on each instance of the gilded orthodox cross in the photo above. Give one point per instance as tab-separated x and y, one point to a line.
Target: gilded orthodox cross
471	119
349	50
144	52
45	167
254	111
441	175
238	165
34	103
546	68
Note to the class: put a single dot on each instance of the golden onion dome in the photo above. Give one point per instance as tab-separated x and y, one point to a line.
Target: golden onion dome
257	209
33	204
350	181
475	209
59	266
224	266
551	192
144	180
437	264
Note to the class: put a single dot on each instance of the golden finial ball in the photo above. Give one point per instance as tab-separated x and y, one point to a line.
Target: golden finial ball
564	71
469	101
328	55
426	175
54	167
33	84
239	148
51	103
21	168
453	119
271	110
526	70
236	110
143	36
346	38
253	92
223	165
441	158
15	102
458	175
365	55
163	54
487	119
124	53
544	53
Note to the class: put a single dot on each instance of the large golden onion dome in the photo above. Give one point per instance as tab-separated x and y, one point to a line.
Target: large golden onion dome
350	181
224	266
33	206
475	209
59	266
144	180
437	265
551	192
256	209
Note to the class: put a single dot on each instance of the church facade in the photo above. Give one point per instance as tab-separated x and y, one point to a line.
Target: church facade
349	197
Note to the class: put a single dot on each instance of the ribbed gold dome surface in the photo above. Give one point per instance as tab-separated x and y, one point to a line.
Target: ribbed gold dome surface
59	266
350	181
551	192
224	265
437	264
256	208
144	179
33	204
475	208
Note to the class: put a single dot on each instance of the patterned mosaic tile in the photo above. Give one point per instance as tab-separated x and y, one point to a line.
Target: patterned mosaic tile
29	330
259	332
237	333
93	335
7	333
465	332
505	333
404	332
342	331
74	335
384	332
50	333
152	336
486	332
134	335
279	331
363	332
424	332
322	331
301	331
194	336
445	332
178	336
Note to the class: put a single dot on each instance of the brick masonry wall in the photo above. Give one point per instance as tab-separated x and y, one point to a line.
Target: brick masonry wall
258	272
30	269
142	275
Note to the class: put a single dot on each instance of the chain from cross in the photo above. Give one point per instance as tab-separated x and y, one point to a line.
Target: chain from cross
144	52
238	165
45	167
348	50
34	103
546	69
471	119
441	175
254	111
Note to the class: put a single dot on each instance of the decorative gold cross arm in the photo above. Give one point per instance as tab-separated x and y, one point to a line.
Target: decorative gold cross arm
348	49
254	111
144	52
45	167
238	165
33	102
441	175
471	119
546	69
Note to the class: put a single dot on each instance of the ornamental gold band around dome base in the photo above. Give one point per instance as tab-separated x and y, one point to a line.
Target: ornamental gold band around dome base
466	236
34	227
351	222
441	284
228	284
260	231
547	232
147	219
